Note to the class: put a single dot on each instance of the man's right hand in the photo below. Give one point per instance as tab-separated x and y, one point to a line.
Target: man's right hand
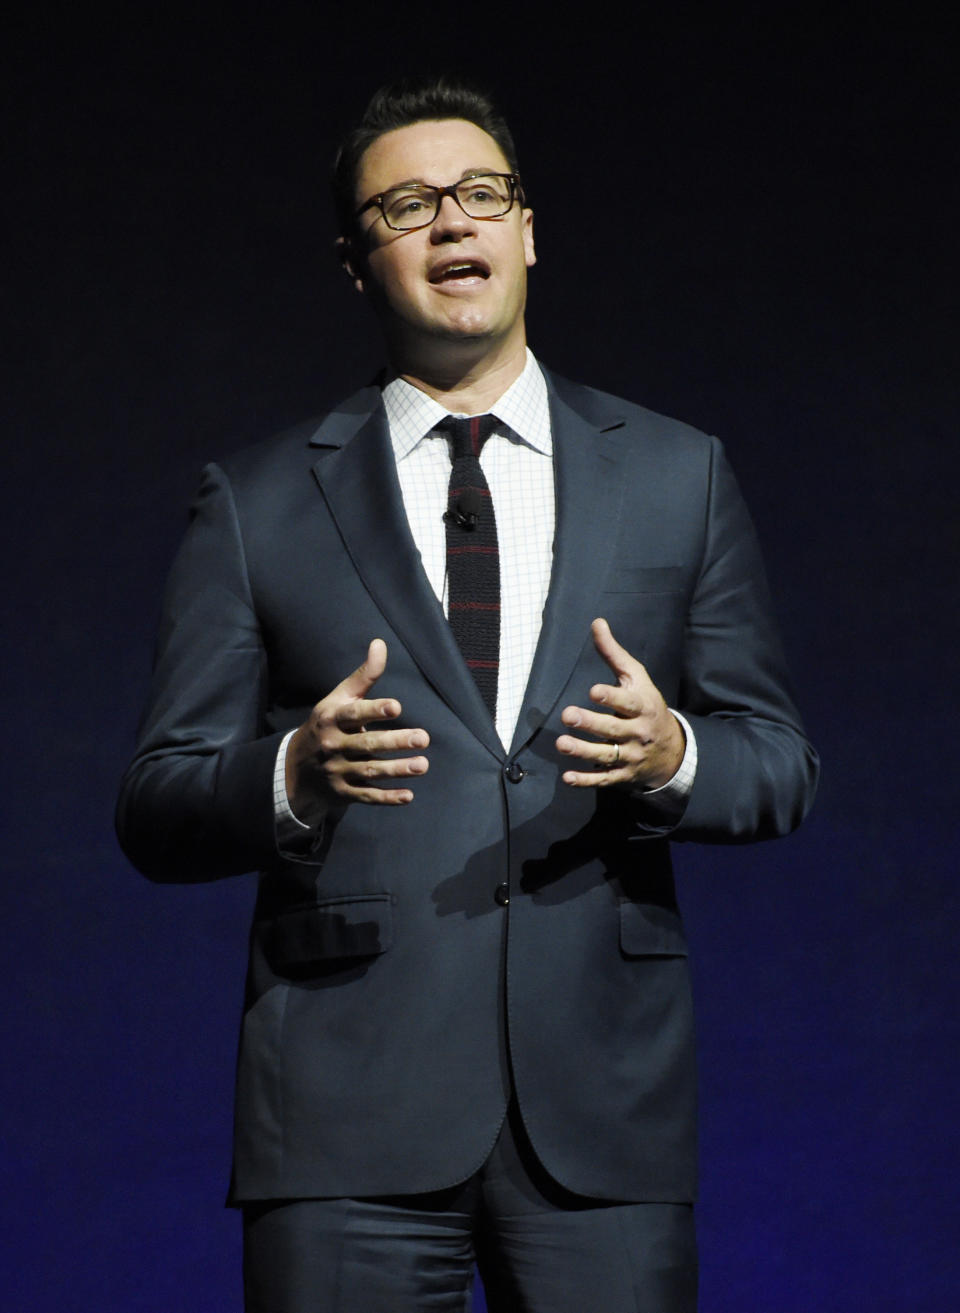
334	755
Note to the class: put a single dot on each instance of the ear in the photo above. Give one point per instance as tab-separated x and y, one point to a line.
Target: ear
351	261
527	233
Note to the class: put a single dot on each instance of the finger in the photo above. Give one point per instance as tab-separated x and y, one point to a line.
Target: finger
372	769
626	702
594	779
373	742
368	784
353	715
358	684
379	797
610	727
606	755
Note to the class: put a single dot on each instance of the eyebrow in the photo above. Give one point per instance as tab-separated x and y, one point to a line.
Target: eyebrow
419	182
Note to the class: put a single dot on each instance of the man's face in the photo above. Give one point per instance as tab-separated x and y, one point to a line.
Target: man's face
458	279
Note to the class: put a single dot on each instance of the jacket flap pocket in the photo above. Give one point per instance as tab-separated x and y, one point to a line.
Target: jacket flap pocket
626	578
360	926
647	930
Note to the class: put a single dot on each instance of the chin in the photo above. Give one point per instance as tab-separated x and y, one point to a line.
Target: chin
468	325
457	334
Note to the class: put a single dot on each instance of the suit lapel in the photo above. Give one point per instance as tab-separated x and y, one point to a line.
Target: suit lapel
358	479
589	483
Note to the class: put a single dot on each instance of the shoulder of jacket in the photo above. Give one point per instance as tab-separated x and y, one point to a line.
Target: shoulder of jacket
636	421
299	444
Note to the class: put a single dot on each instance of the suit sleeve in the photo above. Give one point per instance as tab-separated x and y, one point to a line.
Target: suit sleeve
197	801
756	770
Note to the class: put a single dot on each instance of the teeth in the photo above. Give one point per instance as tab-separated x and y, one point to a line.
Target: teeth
460	270
465	270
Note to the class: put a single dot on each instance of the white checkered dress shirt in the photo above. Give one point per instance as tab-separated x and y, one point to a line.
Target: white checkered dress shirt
517	460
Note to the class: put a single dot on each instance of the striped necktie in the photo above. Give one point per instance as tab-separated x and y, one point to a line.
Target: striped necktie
473	557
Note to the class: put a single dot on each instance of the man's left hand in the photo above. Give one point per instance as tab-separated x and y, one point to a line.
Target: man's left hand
642	741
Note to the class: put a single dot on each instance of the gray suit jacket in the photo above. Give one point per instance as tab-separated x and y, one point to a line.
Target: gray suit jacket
393	997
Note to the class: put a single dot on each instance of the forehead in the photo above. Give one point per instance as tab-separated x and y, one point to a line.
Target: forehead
435	151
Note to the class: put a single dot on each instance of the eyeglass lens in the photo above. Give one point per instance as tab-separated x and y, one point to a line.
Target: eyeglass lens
485	197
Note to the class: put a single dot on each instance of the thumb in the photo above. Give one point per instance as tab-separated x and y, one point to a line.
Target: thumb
359	684
623	665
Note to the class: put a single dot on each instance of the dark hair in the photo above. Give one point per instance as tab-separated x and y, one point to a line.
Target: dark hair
397	105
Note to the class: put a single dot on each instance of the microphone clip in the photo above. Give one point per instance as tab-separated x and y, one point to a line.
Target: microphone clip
465	514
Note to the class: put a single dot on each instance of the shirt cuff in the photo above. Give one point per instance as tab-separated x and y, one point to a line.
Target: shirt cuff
672	796
292	834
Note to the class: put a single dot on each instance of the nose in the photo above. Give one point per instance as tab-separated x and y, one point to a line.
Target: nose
451	223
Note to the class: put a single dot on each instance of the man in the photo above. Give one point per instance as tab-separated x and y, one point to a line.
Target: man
467	1032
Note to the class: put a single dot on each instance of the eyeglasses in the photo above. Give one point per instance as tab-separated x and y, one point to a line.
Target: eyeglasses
484	196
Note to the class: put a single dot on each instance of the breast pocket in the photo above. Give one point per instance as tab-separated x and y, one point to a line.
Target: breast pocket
626	578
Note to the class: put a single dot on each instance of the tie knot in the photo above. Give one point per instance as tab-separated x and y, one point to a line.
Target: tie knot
467	436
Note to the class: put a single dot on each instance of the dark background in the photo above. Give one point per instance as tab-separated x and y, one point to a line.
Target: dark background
746	217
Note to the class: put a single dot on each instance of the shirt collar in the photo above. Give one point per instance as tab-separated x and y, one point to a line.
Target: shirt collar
524	408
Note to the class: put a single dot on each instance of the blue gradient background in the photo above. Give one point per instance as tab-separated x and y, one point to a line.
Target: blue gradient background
769	256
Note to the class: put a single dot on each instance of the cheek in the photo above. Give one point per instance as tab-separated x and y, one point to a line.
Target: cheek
390	253
394	277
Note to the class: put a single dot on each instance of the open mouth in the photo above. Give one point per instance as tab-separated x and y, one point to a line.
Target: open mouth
457	270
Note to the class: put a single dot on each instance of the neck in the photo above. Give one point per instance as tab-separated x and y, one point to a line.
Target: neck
464	385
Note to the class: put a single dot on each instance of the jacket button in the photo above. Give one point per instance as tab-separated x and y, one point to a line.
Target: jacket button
501	894
515	771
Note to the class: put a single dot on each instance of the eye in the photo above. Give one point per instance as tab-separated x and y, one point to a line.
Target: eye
484	195
401	205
